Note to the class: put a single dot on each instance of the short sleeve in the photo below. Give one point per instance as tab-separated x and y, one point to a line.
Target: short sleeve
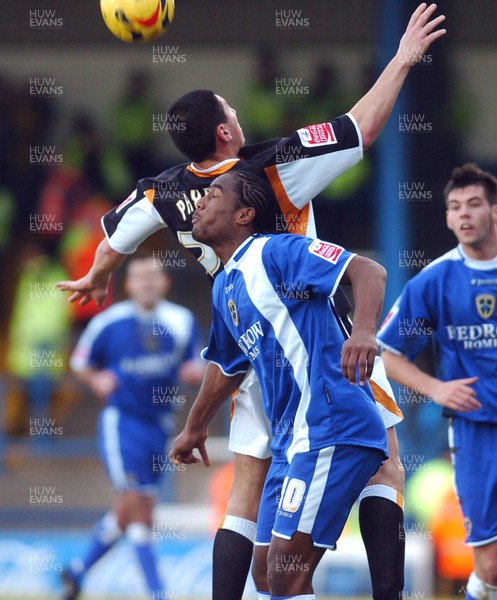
300	263
408	326
223	350
90	349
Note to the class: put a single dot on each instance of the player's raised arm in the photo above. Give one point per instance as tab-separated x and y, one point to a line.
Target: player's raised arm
373	110
93	286
367	279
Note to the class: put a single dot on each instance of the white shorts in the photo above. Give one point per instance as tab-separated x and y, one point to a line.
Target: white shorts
250	431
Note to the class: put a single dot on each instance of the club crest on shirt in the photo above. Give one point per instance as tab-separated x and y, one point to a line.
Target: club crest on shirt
233	312
485	305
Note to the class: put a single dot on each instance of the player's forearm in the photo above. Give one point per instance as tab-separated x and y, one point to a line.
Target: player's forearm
106	261
367	279
407	373
373	109
214	391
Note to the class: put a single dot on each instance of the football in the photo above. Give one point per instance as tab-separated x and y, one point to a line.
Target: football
137	21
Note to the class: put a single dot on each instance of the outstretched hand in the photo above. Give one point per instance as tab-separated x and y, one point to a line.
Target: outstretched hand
85	290
420	34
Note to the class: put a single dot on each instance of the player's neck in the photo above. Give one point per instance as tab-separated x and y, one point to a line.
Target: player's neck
487	251
223	153
228	247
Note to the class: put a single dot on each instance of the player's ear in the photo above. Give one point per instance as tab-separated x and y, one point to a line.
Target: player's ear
245	215
447	221
494	213
223	133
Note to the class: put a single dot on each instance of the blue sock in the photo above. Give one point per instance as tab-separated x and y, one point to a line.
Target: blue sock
105	535
140	535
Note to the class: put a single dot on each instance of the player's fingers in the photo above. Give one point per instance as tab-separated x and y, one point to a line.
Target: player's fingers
432	25
416	14
425	15
371	357
185	458
471	401
204	455
75	296
362	367
349	360
469	380
465	401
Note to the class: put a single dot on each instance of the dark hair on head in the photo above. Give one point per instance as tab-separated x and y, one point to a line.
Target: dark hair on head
471	174
193	120
257	193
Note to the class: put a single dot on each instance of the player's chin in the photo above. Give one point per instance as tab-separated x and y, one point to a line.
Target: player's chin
197	233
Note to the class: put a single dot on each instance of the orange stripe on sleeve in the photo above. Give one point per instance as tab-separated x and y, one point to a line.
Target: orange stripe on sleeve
384	399
296	219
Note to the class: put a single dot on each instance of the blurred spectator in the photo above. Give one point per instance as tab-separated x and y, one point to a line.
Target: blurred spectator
262	109
131	126
326	98
77	248
38	334
30	151
101	164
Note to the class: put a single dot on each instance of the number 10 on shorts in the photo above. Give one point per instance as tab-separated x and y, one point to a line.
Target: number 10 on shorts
292	495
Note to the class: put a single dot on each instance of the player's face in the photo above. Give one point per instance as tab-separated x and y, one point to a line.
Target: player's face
470	216
146	283
215	212
233	124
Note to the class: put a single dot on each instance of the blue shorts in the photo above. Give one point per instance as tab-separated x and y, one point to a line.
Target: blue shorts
133	450
314	494
474	451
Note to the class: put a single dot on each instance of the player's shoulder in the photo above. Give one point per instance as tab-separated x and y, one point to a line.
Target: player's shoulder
277	250
301	243
116	312
174	173
443	263
254	150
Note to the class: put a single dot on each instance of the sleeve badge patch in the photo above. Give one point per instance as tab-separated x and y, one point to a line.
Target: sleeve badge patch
129	199
317	135
327	250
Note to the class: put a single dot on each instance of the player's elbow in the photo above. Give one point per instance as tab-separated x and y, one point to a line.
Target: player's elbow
368	125
369	133
368	269
381	273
